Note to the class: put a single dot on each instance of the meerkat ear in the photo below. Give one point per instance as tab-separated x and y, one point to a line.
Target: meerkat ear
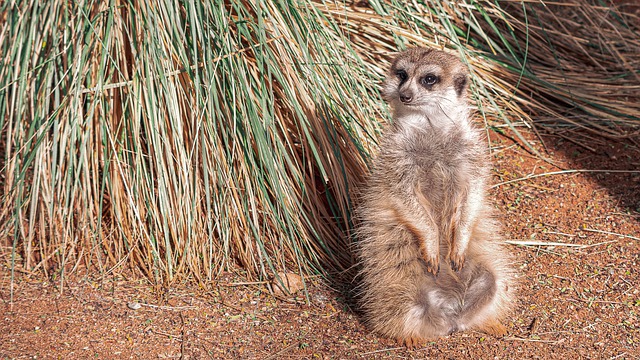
460	83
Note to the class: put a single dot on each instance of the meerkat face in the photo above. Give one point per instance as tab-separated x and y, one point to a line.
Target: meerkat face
426	81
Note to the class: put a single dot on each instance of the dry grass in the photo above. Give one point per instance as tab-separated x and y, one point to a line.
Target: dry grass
178	139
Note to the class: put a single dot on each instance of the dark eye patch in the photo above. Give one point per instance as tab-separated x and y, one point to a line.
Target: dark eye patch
402	75
460	83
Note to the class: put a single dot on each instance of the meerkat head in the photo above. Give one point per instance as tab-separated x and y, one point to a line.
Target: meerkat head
426	81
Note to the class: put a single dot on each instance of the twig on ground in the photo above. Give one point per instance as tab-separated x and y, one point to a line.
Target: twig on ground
280	352
137	305
533	327
543	243
559	233
618	356
242	311
244	283
177	337
609	233
515	338
598	301
565	172
598	244
381	350
182	335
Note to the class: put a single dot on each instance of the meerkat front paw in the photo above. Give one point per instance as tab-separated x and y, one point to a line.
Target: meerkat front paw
456	260
456	255
433	265
431	260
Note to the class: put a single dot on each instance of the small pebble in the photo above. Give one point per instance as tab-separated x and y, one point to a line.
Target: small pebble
134	305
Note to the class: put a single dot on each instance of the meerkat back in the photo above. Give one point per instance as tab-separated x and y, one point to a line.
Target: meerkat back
429	248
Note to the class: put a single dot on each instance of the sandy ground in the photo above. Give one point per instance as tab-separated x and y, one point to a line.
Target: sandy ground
579	295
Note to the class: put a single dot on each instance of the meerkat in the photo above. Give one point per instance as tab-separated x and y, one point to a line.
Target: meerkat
429	250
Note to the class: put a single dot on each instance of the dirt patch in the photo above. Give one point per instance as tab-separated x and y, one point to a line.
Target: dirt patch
579	292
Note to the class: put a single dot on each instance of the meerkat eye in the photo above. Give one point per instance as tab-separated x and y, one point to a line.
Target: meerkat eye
429	80
402	75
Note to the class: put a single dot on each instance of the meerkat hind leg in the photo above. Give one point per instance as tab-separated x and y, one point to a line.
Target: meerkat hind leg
479	300
493	327
410	342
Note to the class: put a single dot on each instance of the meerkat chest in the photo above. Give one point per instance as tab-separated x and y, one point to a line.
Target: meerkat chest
454	152
444	169
446	164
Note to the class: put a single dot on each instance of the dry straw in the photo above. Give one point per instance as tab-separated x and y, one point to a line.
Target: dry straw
181	138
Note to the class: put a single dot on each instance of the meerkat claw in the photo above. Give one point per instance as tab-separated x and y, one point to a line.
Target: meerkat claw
433	265
457	263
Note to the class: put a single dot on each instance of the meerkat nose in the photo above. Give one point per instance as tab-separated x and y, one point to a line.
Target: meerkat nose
406	98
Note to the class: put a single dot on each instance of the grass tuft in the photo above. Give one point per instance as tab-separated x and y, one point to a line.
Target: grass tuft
180	138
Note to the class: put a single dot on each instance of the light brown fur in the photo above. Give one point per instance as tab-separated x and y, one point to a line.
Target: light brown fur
429	247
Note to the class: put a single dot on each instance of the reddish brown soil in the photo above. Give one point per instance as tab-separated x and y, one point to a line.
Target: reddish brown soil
574	302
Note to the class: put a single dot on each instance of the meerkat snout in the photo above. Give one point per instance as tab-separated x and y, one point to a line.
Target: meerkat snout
406	97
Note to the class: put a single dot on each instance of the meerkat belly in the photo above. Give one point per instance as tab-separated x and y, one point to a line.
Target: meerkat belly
443	184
